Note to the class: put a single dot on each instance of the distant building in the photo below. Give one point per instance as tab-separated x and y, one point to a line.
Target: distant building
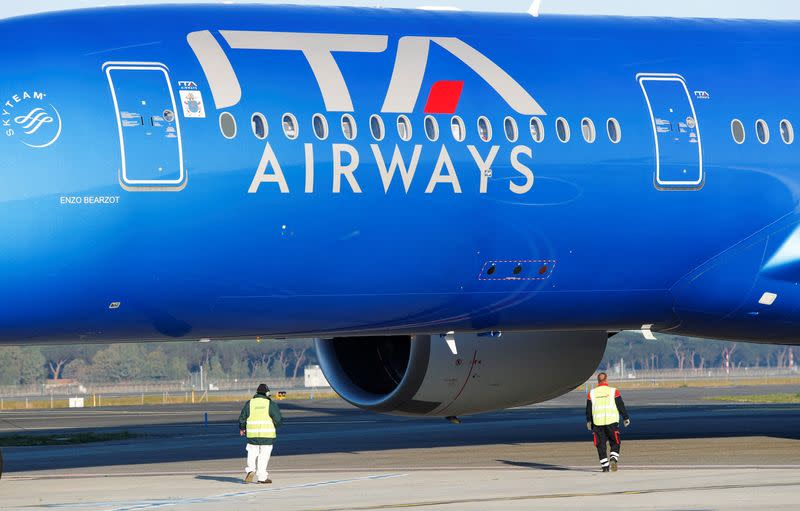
59	383
314	377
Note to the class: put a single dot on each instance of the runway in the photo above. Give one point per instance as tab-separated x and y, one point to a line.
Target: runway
681	452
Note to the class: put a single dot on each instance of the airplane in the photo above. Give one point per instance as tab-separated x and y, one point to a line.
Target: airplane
459	207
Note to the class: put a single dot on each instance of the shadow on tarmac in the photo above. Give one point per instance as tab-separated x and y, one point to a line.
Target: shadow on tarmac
541	466
221	479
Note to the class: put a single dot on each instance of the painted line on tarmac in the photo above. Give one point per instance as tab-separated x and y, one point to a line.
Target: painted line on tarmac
106	475
556	496
106	414
302	423
196	414
158	503
191	425
710	467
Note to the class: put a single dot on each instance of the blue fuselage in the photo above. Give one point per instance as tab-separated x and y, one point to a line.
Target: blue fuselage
185	233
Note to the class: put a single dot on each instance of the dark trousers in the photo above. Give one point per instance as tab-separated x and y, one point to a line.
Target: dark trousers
607	434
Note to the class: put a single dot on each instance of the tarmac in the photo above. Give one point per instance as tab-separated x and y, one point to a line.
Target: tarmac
680	453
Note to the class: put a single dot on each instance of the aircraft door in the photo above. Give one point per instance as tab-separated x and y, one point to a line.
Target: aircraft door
148	124
678	146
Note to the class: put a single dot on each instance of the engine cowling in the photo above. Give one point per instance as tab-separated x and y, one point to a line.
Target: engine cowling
420	375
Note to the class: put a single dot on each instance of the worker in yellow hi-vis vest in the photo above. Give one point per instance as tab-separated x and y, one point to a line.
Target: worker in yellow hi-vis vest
259	421
604	407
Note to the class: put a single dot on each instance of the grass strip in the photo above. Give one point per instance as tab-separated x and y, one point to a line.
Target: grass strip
98	400
690	382
758	399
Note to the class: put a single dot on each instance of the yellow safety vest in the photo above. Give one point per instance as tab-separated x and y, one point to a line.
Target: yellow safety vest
604	409
259	423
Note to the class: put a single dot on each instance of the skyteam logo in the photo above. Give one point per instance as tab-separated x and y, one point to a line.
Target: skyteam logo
31	119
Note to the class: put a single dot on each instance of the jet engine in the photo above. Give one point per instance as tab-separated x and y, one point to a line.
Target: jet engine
458	374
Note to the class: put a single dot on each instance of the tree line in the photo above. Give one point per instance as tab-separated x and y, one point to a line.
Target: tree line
690	354
171	361
168	361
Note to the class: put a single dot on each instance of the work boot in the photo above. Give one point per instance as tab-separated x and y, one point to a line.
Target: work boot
267	481
613	465
249	477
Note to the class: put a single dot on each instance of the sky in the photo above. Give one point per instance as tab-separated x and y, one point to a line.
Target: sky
772	9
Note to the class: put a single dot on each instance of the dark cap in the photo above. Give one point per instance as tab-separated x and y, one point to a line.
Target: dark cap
262	389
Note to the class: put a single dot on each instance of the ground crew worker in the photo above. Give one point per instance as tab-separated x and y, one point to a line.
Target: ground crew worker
259	420
603	408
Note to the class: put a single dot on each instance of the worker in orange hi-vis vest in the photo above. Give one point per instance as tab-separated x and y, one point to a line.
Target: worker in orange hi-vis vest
604	407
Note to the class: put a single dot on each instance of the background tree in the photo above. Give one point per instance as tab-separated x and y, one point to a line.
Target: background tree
57	357
118	362
668	351
728	350
21	366
299	356
77	370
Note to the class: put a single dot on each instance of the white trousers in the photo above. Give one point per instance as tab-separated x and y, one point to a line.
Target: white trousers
258	459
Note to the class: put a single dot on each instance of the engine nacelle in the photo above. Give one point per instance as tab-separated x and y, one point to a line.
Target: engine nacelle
420	375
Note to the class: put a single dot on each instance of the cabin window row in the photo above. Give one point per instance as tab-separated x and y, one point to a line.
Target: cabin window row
458	129
763	135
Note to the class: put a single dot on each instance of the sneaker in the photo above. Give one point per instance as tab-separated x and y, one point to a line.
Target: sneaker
268	481
613	465
249	477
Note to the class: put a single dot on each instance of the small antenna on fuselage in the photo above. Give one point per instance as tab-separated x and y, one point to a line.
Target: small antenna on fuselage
533	10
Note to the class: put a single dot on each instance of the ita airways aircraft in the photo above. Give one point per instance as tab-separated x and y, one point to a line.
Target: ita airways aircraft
460	207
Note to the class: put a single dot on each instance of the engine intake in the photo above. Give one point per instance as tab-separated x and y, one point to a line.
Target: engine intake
419	375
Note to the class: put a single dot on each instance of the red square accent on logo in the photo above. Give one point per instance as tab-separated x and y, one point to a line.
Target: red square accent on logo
444	97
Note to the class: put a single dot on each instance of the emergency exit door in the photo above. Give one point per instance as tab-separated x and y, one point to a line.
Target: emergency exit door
148	124
676	130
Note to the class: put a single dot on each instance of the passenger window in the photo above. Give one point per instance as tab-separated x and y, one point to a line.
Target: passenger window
737	130
537	130
562	130
227	124
588	130
290	128
320	126
431	128
762	131
787	132
614	131
349	129
512	131
377	128
458	129
404	128
259	125
484	129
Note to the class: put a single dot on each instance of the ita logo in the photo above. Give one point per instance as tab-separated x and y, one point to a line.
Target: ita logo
31	119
